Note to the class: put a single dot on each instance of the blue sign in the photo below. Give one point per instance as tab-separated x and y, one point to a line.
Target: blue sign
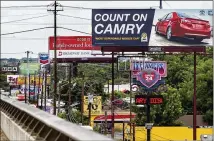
43	58
121	27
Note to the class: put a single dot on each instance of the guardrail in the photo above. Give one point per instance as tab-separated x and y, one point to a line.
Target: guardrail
44	126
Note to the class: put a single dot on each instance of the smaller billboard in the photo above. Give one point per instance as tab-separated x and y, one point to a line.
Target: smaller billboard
96	105
13	69
22	89
12	79
139	65
43	58
21	80
75	47
33	67
153	99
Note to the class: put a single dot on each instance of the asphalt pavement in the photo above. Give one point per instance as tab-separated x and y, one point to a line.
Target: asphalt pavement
160	40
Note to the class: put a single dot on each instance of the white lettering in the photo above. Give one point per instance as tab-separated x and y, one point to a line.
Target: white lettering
130	27
96	17
120	29
144	17
136	17
105	17
96	29
108	29
139	28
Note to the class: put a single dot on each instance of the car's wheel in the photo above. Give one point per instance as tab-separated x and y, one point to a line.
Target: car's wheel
198	39
169	33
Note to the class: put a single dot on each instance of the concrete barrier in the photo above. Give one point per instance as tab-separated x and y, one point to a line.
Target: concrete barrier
24	122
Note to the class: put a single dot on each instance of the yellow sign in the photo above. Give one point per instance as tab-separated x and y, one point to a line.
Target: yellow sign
21	80
96	106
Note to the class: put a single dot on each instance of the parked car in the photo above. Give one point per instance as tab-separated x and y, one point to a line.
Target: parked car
177	24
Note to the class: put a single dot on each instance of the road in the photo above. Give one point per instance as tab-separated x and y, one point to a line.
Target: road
3	137
160	40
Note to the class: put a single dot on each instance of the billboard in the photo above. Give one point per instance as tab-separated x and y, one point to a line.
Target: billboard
140	65
33	67
153	99
13	69
74	47
43	58
96	106
21	80
152	27
12	79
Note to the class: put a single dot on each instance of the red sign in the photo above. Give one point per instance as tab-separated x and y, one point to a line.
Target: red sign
153	99
72	43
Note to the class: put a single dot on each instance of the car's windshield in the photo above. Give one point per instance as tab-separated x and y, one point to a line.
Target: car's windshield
183	15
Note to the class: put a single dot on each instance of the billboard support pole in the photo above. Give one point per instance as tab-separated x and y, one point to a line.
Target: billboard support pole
161	4
130	77
148	114
69	80
194	101
34	87
112	98
38	90
28	87
25	89
82	98
45	89
89	113
42	89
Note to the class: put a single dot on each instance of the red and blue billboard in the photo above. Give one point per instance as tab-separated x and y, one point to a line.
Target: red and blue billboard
152	27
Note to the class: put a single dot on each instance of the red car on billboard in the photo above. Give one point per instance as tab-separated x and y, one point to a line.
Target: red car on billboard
176	24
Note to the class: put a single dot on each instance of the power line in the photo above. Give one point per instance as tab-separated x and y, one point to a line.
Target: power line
25	19
24	6
26	30
23	15
167	3
74	30
77	24
73	17
44	28
76	7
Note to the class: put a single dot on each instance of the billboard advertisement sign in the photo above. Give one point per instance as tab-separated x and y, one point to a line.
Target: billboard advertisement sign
12	79
9	69
21	80
74	47
43	58
152	27
22	89
153	99
139	65
96	105
33	67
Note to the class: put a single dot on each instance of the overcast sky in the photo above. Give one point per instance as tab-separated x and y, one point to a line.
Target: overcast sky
37	41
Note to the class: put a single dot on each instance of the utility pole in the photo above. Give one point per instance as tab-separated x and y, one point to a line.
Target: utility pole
55	4
28	73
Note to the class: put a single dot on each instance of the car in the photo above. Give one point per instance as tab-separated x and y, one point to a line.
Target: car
176	24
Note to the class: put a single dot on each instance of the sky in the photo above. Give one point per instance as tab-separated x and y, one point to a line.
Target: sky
15	45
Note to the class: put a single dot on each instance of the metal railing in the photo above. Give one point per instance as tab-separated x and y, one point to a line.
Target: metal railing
44	126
